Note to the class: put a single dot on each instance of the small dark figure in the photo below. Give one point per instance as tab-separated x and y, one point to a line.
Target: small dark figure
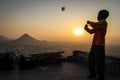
63	8
96	57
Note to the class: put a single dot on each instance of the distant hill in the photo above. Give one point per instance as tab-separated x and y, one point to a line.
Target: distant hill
4	39
25	39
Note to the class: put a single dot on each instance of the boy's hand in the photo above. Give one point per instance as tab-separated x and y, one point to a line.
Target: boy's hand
86	26
88	22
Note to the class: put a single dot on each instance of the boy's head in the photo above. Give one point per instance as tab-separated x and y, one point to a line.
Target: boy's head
103	14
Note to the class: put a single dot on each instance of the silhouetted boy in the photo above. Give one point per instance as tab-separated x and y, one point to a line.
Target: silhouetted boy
96	57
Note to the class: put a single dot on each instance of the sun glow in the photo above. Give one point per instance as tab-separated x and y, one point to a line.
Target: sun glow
78	31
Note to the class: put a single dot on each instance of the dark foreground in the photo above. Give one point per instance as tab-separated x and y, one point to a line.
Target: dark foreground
64	71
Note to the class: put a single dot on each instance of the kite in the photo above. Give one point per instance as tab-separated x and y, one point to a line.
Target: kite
63	8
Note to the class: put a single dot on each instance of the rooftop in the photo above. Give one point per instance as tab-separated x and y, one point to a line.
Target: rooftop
64	71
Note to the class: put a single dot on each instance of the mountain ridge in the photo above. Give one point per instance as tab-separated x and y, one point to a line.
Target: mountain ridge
25	39
4	38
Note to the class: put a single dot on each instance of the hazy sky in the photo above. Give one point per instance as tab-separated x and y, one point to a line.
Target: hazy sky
44	19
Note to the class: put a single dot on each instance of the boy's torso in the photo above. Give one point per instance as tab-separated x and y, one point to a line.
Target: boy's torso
99	34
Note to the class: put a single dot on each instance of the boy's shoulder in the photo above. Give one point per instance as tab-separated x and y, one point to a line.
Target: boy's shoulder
102	22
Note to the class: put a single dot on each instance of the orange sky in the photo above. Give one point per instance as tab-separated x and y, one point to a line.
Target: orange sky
44	19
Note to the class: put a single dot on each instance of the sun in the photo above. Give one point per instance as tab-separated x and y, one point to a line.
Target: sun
78	31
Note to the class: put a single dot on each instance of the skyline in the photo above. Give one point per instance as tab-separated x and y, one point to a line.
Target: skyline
44	19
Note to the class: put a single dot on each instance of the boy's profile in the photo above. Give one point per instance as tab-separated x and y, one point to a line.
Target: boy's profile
96	57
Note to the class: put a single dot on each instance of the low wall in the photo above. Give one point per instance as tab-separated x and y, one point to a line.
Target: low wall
112	63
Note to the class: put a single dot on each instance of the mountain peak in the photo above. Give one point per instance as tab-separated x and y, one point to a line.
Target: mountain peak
26	34
26	37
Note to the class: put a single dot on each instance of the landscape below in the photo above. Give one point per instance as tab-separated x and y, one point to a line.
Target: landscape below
28	53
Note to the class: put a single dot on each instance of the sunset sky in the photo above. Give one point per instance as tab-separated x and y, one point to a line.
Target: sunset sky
44	20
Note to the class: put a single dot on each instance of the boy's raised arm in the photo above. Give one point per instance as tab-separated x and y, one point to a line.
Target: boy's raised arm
91	31
98	25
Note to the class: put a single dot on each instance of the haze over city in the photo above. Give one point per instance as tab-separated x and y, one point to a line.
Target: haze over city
44	20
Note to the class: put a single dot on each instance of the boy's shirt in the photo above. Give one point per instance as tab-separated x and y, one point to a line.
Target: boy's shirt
99	30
